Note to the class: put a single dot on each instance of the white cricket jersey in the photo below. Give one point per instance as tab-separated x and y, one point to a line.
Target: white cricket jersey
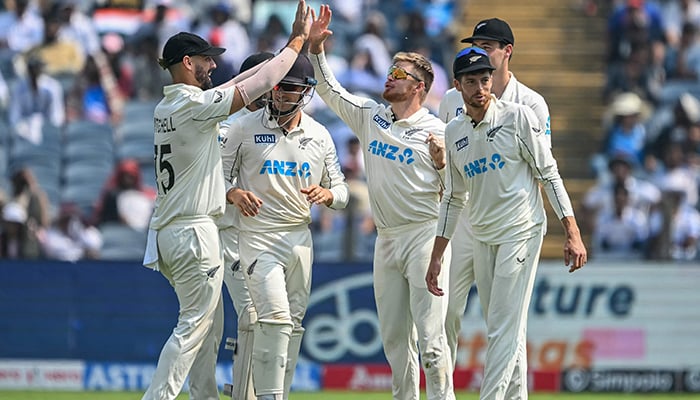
452	104
232	214
275	167
499	163
189	176
399	168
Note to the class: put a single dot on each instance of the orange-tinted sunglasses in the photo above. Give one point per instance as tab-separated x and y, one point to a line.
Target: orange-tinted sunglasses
397	72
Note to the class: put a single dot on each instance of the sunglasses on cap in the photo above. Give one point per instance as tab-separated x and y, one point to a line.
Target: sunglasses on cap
472	50
397	72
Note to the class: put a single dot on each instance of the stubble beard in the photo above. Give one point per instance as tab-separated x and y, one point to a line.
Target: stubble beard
203	78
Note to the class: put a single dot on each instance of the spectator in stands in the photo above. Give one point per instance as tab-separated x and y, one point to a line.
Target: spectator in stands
26	28
626	135
675	169
24	216
600	199
149	78
676	227
622	231
37	99
70	238
683	60
640	73
124	198
87	99
673	126
676	15
636	23
61	55
76	26
224	30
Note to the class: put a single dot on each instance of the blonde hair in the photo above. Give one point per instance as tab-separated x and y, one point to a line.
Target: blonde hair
423	67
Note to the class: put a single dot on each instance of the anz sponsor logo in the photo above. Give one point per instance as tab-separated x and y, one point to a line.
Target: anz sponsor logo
384	124
547	127
286	168
267	138
462	143
483	165
391	152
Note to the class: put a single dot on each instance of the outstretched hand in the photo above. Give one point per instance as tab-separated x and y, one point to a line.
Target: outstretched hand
319	31
303	18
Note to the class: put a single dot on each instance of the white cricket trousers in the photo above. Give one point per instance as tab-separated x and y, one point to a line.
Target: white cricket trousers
191	259
505	275
410	318
277	269
243	305
461	281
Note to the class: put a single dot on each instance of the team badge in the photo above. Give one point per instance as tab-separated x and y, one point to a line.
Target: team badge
218	96
303	142
492	133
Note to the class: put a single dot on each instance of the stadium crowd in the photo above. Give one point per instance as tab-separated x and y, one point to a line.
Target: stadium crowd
645	202
79	81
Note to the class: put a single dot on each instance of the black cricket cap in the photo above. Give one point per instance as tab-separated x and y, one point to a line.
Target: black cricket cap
471	59
255	59
186	44
301	73
492	29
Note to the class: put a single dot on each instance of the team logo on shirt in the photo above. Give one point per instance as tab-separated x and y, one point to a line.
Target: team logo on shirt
218	96
303	142
462	143
265	138
384	124
492	132
459	111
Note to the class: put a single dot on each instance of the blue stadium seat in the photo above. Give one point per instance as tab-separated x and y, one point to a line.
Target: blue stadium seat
121	242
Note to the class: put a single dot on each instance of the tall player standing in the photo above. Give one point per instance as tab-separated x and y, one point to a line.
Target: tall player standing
402	162
280	162
498	153
183	241
496	38
234	280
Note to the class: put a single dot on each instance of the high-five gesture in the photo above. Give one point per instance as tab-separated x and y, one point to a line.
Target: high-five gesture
319	29
303	18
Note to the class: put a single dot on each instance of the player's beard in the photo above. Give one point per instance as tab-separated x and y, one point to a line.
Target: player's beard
202	78
393	96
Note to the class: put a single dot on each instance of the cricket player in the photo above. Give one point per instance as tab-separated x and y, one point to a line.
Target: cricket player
402	160
280	162
498	152
496	38
233	275
183	240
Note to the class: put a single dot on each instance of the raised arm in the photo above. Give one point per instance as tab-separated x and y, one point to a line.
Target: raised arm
251	86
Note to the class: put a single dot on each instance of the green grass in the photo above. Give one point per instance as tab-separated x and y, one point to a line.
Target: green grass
329	395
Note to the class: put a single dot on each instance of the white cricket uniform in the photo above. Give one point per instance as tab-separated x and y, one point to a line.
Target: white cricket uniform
276	245
462	264
184	240
404	191
237	288
499	163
